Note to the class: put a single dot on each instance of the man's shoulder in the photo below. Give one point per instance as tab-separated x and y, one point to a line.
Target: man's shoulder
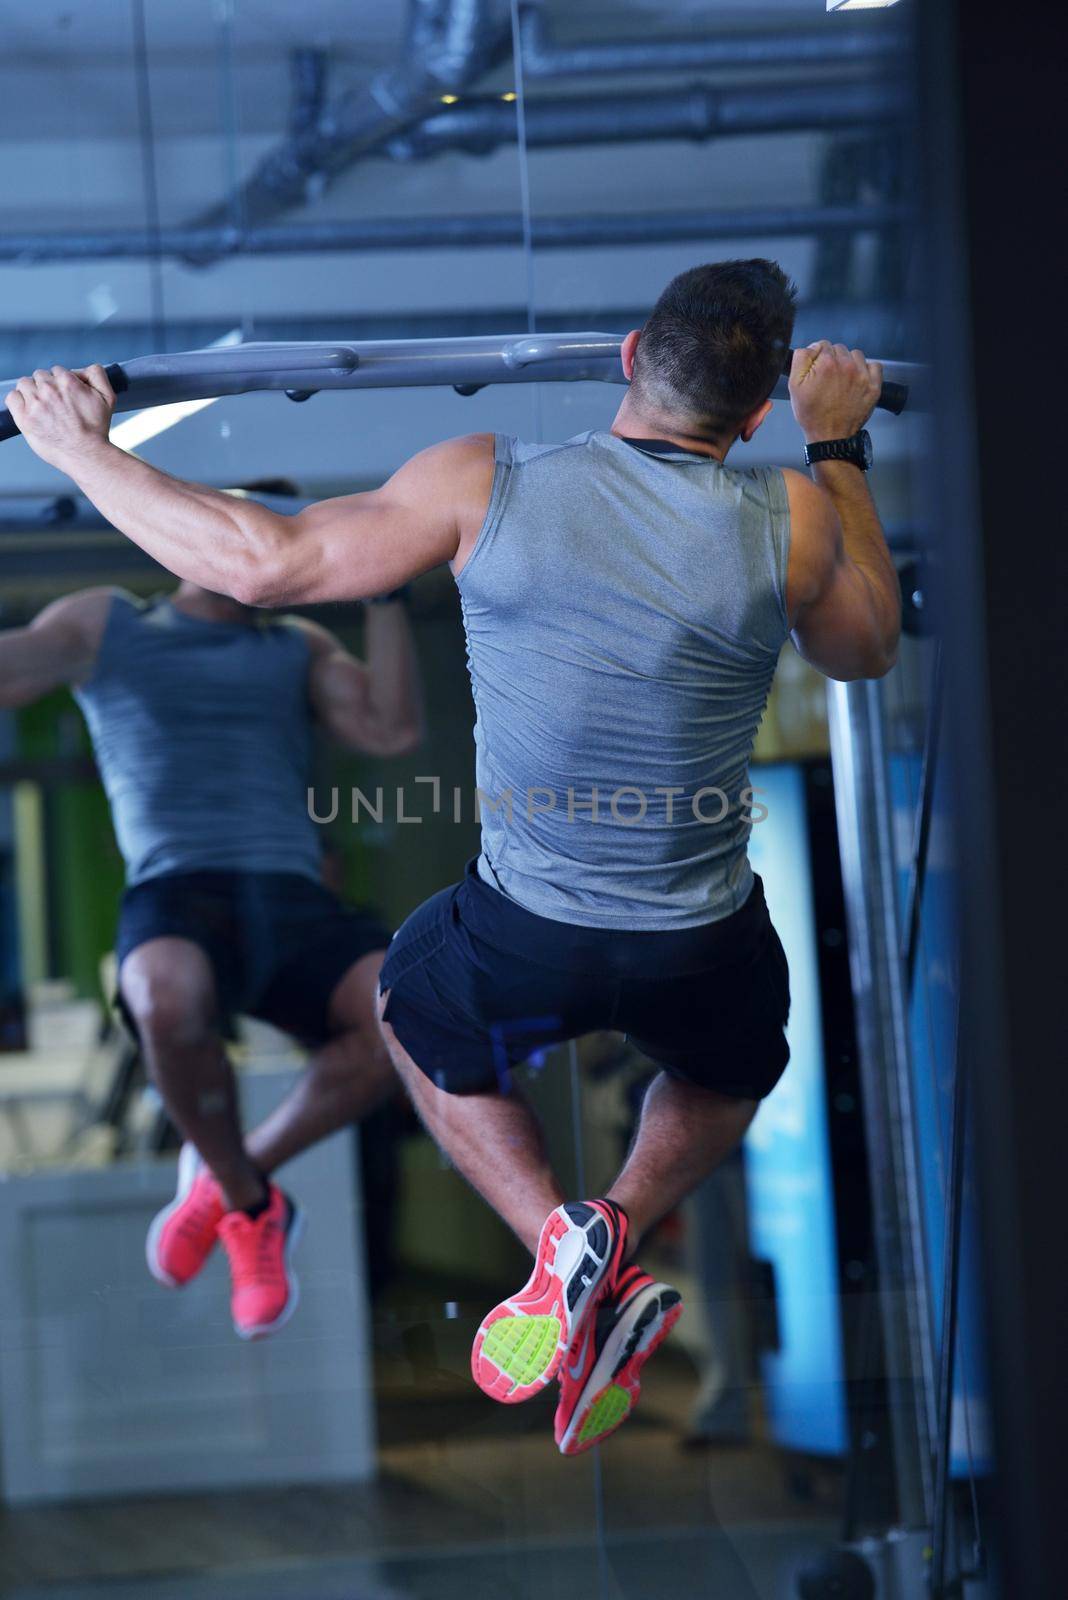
812	513
86	610
75	626
521	451
448	472
470	457
462	451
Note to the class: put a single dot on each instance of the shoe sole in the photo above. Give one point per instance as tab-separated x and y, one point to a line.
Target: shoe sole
519	1346
613	1388
262	1330
188	1161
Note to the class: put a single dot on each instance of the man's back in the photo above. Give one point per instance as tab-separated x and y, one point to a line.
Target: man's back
202	732
624	607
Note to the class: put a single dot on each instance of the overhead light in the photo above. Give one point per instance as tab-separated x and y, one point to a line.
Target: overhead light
858	5
449	99
509	96
144	425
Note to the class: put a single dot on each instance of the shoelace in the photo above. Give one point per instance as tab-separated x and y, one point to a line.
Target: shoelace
236	1239
200	1213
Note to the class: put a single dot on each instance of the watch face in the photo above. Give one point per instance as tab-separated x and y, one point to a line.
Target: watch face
867	455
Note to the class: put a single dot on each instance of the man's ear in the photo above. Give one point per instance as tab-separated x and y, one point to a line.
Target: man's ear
753	421
627	351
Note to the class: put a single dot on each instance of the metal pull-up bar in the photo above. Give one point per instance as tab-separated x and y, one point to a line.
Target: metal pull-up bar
466	365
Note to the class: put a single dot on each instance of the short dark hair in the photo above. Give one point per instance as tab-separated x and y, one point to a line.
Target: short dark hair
716	342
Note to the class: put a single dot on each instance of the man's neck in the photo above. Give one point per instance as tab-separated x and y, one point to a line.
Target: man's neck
631	423
208	607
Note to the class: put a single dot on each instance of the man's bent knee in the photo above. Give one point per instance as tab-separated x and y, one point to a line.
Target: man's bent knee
168	1008
352	1004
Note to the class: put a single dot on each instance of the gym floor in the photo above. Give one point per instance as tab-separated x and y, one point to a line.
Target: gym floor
465	1496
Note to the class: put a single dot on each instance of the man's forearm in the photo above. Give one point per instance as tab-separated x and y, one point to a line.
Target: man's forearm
221	542
864	540
392	667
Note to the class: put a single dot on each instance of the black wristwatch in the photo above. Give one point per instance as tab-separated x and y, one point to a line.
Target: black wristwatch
856	449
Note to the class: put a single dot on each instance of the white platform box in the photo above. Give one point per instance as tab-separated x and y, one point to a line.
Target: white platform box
111	1385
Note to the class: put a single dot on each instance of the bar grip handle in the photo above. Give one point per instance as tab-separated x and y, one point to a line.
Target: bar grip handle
893	397
115	375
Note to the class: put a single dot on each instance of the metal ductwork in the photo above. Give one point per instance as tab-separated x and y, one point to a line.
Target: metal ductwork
308	71
447	47
479	126
454	233
450	44
823	47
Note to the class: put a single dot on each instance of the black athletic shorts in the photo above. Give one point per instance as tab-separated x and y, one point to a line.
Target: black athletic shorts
278	942
477	984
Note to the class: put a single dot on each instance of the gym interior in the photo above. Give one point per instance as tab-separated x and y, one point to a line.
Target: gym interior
865	1394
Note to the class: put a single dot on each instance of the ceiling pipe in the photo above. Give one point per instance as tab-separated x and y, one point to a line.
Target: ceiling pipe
308	70
446	49
479	126
449	45
544	58
453	233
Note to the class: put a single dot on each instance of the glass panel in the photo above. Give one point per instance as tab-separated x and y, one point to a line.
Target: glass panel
244	170
774	1413
143	1442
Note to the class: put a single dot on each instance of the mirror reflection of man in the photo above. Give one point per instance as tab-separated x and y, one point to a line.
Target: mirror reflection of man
626	594
201	712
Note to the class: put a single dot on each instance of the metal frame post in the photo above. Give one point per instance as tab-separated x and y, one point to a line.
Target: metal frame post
869	877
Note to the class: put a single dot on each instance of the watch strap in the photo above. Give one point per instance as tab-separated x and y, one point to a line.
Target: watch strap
851	449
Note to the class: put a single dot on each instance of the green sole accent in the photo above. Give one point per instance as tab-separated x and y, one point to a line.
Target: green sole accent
522	1347
607	1411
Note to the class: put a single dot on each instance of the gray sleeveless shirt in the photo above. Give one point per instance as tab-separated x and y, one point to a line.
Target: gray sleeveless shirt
624	609
202	733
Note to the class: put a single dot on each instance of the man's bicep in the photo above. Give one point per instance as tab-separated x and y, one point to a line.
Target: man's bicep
367	544
57	648
829	600
357	546
815	541
332	666
835	632
338	690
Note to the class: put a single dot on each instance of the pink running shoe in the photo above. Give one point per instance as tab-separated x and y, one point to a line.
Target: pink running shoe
600	1380
522	1341
265	1289
182	1235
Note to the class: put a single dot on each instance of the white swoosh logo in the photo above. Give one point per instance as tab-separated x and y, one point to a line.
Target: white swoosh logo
575	1371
